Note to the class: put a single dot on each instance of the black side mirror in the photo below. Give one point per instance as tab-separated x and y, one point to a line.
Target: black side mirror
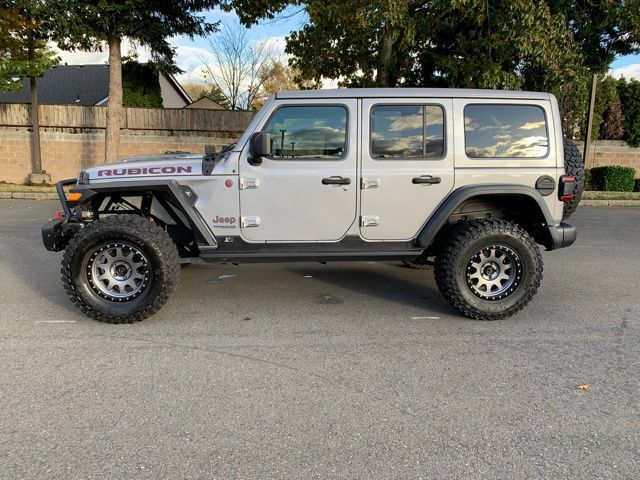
260	145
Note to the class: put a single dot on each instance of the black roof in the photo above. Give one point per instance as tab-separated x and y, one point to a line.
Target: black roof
66	84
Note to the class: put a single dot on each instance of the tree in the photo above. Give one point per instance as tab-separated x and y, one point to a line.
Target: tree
94	24
515	44
141	85
630	98
236	67
277	76
612	127
24	53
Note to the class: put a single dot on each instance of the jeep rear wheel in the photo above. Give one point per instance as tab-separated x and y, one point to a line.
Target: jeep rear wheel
489	269
120	269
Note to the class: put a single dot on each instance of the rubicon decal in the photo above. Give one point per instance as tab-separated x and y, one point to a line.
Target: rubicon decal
126	172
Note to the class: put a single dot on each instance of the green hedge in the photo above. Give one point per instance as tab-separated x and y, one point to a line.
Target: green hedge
613	178
636	186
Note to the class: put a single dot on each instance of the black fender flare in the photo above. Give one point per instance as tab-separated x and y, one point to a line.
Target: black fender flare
448	206
183	195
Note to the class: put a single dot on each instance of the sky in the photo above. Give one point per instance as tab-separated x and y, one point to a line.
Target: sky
190	53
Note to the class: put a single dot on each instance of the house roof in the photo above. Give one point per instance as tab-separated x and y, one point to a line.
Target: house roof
206	103
75	85
66	84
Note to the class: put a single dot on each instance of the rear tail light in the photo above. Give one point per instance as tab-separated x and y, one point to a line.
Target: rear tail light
59	215
566	188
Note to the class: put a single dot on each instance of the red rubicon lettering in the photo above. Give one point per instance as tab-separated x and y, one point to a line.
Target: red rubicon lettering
120	172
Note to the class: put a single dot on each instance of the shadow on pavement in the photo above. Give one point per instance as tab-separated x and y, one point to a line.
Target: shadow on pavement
383	281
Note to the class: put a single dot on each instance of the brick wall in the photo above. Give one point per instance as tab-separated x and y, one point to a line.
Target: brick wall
64	154
614	152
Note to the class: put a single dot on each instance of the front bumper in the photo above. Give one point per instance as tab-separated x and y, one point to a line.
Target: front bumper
58	231
562	235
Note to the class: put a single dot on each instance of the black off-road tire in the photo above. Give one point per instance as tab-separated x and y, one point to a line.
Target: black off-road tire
162	275
468	238
573	165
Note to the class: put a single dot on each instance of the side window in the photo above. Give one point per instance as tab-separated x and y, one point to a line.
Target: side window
407	131
505	131
308	132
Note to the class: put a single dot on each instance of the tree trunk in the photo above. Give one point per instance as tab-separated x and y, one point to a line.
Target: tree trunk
114	107
384	76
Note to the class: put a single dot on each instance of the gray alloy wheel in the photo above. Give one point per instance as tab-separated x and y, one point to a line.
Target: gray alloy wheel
494	272
118	271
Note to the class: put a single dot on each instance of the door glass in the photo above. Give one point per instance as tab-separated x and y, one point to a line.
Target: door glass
407	131
505	131
309	132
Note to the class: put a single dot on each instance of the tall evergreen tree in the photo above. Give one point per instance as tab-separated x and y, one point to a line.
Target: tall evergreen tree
94	24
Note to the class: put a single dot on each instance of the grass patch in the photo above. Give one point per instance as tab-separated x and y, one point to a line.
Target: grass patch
594	195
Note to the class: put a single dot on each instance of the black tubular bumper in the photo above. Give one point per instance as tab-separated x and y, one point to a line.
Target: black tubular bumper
562	236
57	232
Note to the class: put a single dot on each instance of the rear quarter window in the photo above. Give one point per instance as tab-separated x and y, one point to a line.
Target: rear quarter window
505	131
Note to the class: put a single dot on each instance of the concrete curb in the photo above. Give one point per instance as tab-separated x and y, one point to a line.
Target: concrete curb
610	203
29	195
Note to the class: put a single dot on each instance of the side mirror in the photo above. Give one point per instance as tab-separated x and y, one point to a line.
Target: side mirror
261	145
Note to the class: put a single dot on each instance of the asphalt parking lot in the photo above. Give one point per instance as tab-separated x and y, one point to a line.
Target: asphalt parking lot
345	370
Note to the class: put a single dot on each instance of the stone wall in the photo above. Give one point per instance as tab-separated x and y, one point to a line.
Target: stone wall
614	152
72	137
64	154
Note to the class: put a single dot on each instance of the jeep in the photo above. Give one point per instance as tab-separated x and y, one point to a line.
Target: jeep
471	182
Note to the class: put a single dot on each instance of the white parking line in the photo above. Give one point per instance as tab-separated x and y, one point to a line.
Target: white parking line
55	321
425	318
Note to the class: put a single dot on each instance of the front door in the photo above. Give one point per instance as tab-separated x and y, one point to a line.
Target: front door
407	165
307	190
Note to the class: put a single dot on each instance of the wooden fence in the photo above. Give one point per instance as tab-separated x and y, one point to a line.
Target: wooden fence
94	117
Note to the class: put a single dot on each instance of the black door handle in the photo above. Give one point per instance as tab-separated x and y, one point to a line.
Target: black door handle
336	181
426	180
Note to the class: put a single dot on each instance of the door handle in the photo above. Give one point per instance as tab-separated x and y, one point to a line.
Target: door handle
336	181
426	180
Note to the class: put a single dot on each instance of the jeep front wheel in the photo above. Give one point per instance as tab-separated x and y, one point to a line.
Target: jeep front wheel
489	269
120	269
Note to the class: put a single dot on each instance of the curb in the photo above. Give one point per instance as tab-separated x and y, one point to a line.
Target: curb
609	203
29	195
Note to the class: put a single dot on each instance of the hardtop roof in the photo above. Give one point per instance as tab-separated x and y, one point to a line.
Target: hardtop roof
413	93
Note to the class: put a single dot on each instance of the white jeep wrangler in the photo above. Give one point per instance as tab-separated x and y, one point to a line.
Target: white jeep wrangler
470	181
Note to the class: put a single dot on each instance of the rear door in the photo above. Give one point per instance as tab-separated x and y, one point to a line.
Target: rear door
407	165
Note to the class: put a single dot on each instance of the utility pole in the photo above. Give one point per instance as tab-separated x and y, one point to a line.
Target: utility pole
588	155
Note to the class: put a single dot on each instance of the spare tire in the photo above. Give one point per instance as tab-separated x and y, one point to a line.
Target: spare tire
573	165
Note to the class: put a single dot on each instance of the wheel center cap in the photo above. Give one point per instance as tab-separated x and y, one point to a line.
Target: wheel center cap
490	270
120	271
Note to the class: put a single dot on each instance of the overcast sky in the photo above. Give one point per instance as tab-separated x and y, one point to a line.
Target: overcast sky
190	52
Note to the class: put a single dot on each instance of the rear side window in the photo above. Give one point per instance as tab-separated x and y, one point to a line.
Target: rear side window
407	131
505	131
308	132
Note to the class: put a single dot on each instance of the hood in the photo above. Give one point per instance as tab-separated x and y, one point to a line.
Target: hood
167	165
